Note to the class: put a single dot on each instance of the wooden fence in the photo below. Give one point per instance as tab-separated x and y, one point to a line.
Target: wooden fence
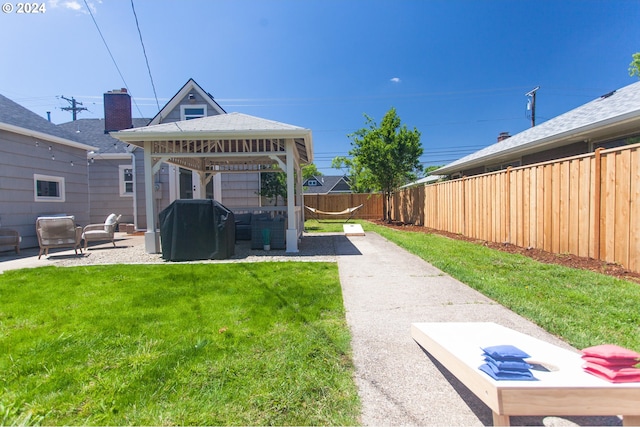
587	205
372	202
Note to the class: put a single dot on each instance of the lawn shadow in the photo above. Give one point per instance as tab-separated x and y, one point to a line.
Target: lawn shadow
311	245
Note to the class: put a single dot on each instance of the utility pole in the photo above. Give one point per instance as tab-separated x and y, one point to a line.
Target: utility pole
532	94
74	106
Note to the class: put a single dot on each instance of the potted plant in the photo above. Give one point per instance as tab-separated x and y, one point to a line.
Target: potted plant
266	239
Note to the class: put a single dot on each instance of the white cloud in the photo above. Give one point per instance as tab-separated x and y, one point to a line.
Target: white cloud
74	5
395	80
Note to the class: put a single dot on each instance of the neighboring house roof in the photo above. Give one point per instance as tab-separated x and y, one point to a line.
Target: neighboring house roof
619	109
189	86
91	131
325	184
15	118
426	180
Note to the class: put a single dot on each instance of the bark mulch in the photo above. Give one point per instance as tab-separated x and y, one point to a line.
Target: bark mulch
566	260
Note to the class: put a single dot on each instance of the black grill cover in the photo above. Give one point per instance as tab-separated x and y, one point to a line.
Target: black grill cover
197	229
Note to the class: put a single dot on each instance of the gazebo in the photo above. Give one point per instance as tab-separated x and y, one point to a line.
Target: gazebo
231	142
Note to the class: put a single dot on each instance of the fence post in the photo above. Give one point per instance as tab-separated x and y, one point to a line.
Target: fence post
508	204
598	202
464	205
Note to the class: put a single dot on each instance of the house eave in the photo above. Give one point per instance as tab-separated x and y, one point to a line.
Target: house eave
44	136
139	137
583	133
110	156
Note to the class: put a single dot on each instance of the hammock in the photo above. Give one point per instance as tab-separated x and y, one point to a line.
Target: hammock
349	211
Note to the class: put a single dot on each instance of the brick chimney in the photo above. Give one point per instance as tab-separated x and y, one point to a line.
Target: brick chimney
503	136
117	110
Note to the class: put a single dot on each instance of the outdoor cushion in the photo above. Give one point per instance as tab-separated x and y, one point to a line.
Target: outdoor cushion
111	219
505	352
614	375
502	375
243	218
619	363
610	351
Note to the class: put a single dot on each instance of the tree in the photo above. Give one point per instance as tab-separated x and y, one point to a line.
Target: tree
273	185
634	67
309	171
389	155
359	178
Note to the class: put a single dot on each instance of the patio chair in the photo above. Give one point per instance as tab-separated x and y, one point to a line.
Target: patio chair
101	232
58	232
10	237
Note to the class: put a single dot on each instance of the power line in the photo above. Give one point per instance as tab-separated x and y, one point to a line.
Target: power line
111	55
144	51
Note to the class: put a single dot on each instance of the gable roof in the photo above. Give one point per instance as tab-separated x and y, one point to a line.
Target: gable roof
189	86
91	131
231	125
619	109
327	184
16	118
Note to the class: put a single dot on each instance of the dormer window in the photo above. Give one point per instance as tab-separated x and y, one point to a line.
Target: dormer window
312	183
190	112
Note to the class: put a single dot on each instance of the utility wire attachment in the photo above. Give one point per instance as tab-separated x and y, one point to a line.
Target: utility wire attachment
532	104
74	107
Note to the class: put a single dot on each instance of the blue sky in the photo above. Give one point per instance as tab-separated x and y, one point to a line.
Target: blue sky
456	70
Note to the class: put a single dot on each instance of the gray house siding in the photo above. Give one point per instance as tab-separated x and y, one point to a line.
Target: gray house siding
20	158
104	195
556	153
240	189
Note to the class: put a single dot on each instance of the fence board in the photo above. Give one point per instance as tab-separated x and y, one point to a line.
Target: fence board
634	211
621	223
372	208
584	208
608	214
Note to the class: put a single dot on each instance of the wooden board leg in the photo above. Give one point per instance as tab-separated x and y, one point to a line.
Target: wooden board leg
501	420
631	420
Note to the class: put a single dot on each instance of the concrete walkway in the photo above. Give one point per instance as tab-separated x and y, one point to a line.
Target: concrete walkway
385	289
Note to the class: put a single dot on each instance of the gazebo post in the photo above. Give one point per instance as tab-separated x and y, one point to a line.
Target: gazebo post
292	227
151	236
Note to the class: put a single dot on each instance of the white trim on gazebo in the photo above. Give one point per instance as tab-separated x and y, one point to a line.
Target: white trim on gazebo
225	142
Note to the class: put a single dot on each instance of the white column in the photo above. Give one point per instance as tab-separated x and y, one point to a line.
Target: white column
152	236
292	230
217	187
199	185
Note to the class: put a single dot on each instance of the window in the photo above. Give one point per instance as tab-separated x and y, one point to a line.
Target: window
312	183
126	180
48	188
189	112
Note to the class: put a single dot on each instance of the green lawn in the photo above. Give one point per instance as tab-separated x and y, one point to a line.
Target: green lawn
205	344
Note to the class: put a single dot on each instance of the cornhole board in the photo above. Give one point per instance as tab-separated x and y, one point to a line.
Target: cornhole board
353	230
563	388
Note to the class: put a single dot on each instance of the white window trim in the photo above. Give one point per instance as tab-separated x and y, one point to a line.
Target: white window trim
58	179
183	116
122	182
